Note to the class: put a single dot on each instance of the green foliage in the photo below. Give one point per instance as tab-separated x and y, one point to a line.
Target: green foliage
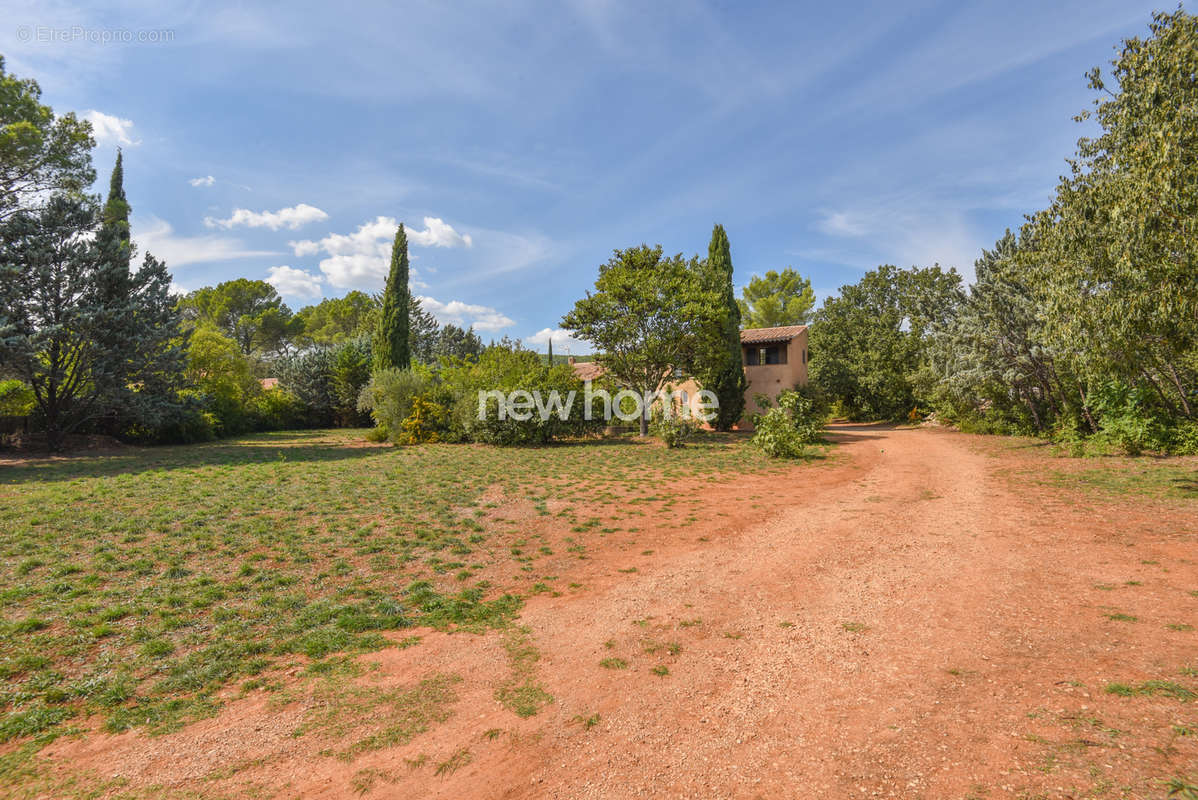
349	374
789	428
40	153
648	316
1085	328
275	410
424	422
335	320
391	340
777	299
389	396
674	430
222	376
249	312
455	342
308	376
717	364
506	368
16	398
868	343
49	312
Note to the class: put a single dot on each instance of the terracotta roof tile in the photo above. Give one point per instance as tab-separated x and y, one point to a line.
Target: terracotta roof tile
588	370
781	334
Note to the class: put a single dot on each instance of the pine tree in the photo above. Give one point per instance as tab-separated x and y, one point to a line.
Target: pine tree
721	371
391	348
49	318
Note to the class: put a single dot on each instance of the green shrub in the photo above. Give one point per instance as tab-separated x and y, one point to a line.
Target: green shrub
786	430
425	422
506	368
674	430
389	396
275	410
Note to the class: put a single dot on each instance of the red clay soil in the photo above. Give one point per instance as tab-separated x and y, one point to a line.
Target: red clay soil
913	620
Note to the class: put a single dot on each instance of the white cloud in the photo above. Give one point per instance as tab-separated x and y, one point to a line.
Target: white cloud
207	180
291	218
109	129
839	223
438	233
482	318
158	237
359	260
563	341
294	282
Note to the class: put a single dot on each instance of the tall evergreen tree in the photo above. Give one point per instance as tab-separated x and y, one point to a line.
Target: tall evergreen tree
49	317
139	354
114	299
551	351
720	369
391	346
422	332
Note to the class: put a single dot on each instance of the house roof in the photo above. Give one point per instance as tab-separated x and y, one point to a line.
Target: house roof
587	370
761	335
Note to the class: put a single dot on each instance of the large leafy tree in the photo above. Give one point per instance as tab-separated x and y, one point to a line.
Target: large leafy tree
248	311
775	299
718	367
49	314
992	357
40	153
868	342
1115	257
338	319
392	343
647	317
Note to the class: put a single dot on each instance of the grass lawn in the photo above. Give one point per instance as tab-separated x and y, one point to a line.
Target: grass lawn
141	588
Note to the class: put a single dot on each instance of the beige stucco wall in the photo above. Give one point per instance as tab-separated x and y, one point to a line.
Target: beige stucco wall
771	379
767	379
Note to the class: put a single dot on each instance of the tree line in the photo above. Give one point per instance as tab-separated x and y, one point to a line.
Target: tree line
1083	325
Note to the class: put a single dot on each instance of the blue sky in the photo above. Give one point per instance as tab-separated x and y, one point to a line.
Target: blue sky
521	142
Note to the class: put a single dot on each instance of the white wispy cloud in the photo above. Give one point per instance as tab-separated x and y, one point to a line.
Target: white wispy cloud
563	341
438	233
110	129
158	237
207	180
294	282
292	218
840	223
482	318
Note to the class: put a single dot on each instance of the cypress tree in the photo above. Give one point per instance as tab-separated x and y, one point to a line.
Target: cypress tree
140	353
723	374
551	351
115	333
391	339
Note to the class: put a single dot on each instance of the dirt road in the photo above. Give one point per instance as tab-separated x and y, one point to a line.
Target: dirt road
915	620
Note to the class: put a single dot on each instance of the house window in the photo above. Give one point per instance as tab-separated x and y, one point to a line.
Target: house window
756	356
804	355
